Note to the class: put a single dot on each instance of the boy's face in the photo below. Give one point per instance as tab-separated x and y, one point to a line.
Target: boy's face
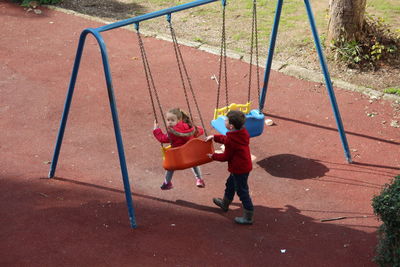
228	125
172	119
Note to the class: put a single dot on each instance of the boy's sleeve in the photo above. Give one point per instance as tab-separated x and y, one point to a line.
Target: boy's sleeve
219	138
160	136
223	156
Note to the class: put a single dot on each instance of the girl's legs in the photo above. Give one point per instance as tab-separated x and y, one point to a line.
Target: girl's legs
168	176
167	183
197	173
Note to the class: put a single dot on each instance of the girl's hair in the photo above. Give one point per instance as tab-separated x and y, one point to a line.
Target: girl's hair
181	115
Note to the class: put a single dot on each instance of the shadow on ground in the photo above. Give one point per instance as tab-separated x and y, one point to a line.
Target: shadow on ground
60	218
293	166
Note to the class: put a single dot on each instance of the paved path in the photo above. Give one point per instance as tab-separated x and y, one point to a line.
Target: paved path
80	218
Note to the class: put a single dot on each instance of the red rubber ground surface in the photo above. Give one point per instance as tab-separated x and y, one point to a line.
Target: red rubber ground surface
80	218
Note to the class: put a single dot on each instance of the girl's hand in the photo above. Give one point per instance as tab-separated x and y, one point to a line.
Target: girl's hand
209	137
209	155
155	125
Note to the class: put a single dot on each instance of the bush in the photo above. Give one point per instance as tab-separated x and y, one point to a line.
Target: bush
378	46
387	208
32	3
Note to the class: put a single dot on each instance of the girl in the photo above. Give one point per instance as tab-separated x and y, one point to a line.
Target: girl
179	130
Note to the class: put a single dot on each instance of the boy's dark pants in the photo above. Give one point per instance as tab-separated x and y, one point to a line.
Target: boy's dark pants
238	183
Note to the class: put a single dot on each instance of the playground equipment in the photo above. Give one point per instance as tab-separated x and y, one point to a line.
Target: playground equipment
254	118
194	152
97	34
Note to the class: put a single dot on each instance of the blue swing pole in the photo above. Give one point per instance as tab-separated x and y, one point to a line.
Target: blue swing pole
67	104
323	66
328	82
271	50
113	106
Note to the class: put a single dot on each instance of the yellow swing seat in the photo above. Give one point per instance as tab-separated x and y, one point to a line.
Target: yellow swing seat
191	154
254	119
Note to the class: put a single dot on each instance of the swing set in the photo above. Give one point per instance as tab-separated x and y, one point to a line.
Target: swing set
194	151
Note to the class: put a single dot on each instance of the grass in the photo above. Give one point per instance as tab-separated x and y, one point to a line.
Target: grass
294	29
294	44
394	91
388	9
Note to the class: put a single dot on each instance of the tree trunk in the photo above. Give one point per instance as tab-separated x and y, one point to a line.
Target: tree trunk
346	20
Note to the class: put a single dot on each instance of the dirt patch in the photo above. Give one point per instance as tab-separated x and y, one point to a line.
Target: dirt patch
205	28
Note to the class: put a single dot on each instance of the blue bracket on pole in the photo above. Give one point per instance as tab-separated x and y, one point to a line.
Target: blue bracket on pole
96	33
324	67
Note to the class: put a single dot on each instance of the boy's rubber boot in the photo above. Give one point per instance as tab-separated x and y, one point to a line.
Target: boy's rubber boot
223	203
247	217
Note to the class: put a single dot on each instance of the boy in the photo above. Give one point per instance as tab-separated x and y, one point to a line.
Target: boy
237	154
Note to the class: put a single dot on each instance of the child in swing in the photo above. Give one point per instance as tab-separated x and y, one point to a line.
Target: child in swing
179	130
237	154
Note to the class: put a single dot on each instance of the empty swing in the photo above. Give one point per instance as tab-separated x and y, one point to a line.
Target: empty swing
254	118
194	152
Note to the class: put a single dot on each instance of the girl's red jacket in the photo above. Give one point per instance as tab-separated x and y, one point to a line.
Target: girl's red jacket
237	151
180	129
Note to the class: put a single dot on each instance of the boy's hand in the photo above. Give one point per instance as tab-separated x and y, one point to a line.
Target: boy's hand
209	137
155	125
209	155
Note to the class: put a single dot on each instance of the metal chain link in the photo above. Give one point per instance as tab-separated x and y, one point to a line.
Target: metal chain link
150	80
254	39
179	58
222	61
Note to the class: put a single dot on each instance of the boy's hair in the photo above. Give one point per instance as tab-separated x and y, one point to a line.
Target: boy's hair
236	118
181	115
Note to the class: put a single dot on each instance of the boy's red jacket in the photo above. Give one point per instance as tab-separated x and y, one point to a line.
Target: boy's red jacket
237	151
174	138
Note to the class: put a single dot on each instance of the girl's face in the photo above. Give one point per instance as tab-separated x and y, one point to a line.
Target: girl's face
172	119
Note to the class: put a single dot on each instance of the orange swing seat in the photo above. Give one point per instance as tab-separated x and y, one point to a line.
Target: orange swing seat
191	154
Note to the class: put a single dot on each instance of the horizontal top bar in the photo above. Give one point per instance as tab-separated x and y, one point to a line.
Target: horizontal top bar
152	15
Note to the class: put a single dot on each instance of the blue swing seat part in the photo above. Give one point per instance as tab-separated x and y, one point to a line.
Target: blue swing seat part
254	123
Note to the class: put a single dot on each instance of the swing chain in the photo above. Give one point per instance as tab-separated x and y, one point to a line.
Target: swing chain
257	51
222	60
178	60
254	37
181	65
150	80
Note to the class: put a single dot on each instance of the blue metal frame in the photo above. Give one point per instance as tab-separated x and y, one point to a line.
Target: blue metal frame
96	33
324	67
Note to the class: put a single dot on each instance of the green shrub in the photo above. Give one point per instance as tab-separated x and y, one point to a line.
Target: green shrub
37	2
379	45
387	208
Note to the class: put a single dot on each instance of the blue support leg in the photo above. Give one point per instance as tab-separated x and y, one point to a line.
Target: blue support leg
118	136
328	82
271	50
114	112
67	104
